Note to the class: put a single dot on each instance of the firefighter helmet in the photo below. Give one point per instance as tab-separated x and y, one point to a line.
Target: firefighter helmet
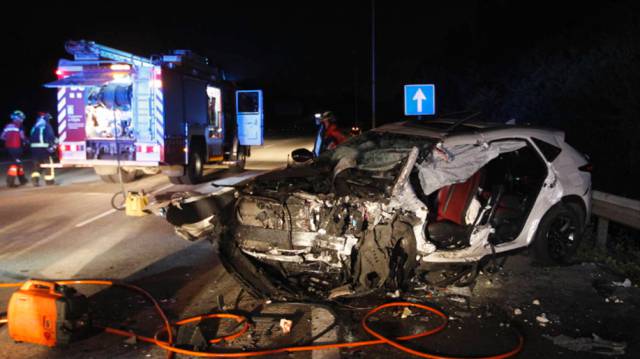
17	115
328	115
45	115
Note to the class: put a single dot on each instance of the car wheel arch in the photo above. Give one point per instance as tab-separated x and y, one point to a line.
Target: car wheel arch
577	203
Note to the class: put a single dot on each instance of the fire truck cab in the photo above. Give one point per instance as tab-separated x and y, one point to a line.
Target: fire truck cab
121	113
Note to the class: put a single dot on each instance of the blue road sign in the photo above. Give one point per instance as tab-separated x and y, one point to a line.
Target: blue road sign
419	100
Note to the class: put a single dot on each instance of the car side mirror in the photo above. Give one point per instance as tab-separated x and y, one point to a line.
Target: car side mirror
301	155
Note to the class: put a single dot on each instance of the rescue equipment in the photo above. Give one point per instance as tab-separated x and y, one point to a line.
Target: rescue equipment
46	313
168	329
135	203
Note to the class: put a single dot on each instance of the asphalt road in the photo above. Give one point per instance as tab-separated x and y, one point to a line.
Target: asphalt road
70	231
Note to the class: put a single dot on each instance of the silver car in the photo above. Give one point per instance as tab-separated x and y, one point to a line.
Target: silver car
389	209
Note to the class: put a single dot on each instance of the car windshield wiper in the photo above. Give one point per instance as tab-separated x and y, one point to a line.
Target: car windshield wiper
462	121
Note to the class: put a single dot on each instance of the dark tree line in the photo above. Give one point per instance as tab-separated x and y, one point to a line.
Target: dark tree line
584	80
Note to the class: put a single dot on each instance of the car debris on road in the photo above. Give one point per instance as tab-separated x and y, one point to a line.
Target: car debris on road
595	344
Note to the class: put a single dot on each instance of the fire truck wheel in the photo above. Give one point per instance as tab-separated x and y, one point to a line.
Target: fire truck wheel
193	170
241	159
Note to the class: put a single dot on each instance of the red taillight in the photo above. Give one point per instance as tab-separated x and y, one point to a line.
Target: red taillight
586	168
59	72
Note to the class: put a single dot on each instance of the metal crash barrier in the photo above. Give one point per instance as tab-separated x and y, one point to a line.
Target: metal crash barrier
608	207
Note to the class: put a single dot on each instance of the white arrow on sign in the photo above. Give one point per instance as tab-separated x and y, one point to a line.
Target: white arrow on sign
419	97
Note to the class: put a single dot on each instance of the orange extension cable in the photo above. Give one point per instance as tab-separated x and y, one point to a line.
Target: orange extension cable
168	329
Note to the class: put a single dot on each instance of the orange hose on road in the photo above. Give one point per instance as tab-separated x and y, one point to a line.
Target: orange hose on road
380	339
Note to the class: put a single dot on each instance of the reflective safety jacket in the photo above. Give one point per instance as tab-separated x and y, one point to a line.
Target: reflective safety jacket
333	137
12	136
42	135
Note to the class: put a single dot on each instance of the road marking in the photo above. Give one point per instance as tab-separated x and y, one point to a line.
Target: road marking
84	223
81	224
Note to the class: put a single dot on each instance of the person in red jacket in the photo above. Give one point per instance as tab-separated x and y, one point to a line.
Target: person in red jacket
14	139
13	135
332	136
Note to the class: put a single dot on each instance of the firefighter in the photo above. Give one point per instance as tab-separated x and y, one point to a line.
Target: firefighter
43	144
332	135
14	139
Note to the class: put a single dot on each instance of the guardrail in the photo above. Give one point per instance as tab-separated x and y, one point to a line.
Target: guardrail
608	207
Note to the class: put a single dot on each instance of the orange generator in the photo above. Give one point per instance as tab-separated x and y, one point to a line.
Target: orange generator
46	313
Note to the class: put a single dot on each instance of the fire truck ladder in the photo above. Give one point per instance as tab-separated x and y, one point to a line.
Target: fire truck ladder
89	50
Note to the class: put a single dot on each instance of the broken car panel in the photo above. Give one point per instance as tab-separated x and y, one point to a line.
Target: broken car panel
385	208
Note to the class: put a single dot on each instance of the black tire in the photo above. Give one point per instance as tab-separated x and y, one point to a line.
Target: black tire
558	236
193	170
254	280
241	159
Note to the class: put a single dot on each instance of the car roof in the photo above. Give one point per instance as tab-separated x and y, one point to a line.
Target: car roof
469	131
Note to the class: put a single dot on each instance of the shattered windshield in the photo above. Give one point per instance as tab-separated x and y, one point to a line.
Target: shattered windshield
375	151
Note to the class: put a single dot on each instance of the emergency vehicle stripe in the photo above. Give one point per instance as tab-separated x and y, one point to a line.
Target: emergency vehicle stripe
61	92
159	115
62	103
62	126
62	113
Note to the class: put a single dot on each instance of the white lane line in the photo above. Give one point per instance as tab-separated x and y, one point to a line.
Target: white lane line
84	223
81	224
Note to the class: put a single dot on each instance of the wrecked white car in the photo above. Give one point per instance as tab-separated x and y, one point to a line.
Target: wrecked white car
387	208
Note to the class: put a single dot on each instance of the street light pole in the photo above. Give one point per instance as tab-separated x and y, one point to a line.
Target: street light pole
373	63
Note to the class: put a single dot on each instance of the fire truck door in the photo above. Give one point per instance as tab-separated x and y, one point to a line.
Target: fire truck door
215	127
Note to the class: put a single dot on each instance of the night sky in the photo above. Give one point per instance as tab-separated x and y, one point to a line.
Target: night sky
536	61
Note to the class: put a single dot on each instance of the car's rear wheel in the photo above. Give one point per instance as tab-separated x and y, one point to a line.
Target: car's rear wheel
558	235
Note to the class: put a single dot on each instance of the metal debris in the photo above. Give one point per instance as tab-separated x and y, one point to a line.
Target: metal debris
595	344
405	313
458	299
285	325
626	284
542	319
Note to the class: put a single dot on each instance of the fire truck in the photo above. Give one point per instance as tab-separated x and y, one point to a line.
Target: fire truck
126	115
